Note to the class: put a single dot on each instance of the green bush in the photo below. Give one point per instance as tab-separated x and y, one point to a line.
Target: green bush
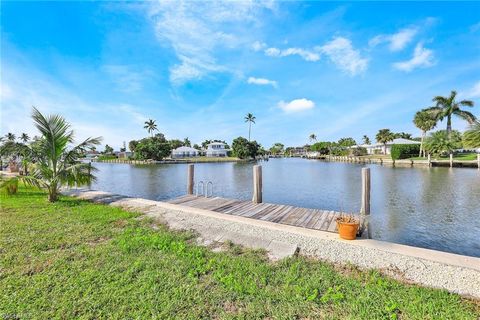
9	186
404	151
358	151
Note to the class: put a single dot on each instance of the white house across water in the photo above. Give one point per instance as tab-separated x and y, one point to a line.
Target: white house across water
378	148
185	152
217	149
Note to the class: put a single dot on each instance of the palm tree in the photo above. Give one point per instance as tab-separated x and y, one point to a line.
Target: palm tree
471	137
384	136
366	139
151	126
250	118
447	106
55	165
186	142
10	136
24	137
424	121
312	137
440	142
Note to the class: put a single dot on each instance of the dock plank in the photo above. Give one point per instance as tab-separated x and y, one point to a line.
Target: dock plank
324	220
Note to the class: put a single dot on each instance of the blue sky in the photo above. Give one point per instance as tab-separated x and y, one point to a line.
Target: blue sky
334	69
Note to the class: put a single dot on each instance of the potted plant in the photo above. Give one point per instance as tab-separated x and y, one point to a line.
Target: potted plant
348	226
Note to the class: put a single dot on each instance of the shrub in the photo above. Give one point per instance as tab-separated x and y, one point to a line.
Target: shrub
404	151
359	151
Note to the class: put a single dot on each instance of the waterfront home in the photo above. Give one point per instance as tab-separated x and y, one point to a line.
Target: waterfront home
217	149
299	151
124	154
185	152
379	148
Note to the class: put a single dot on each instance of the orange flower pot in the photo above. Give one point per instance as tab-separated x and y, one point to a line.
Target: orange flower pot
347	231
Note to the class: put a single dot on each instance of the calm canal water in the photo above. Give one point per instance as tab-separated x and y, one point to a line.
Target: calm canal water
437	208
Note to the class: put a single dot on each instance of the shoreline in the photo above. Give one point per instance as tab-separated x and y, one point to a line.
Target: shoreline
401	162
170	161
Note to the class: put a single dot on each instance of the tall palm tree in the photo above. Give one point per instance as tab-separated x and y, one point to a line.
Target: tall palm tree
151	126
24	137
312	137
447	106
366	139
250	118
471	137
425	121
10	136
56	165
384	136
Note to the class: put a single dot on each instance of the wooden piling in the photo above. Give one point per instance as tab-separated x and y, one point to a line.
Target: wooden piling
478	160
190	178
365	210
257	184
429	159
451	160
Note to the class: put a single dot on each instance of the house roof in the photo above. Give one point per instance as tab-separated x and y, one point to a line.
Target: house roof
185	149
403	141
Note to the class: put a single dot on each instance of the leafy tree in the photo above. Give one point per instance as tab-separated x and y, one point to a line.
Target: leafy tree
277	148
244	149
151	126
384	136
24	137
186	142
196	146
312	137
56	165
471	137
323	147
441	142
425	121
366	139
175	143
250	118
346	142
132	145
108	149
155	148
447	106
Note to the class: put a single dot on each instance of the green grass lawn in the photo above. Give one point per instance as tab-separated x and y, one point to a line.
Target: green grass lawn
75	259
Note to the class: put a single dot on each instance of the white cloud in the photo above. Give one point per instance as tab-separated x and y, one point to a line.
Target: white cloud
296	105
304	54
422	58
258	46
396	41
474	92
262	81
196	30
344	56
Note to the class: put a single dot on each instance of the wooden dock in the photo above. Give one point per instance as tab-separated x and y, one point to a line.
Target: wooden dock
300	217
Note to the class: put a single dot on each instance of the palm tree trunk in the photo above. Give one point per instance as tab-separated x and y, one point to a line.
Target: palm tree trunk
249	130
449	126
52	193
385	148
421	144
